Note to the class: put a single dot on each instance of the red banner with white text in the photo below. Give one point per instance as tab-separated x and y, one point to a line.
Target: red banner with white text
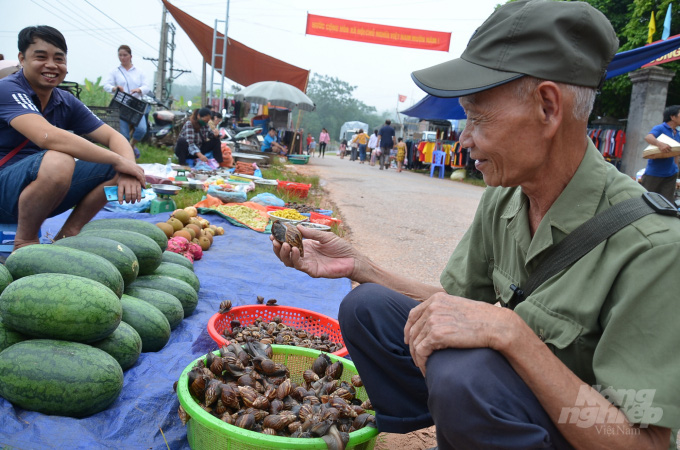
377	34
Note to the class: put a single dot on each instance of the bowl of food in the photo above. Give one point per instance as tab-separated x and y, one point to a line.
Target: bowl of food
287	215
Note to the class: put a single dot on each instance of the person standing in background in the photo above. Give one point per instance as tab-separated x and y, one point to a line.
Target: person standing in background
372	144
309	141
386	141
129	79
324	140
661	173
343	149
354	146
362	140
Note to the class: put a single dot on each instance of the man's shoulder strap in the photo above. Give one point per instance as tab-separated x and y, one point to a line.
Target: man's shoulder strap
588	235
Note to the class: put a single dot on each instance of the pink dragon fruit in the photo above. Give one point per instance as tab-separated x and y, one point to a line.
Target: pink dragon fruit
178	244
196	250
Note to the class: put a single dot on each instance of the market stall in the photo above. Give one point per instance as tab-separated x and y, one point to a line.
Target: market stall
239	266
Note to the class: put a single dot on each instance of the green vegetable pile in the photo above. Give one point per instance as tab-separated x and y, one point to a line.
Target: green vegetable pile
245	215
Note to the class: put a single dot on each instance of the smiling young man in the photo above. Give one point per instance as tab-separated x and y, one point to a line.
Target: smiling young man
46	168
588	359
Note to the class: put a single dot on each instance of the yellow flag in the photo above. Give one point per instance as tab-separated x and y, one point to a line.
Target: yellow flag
652	29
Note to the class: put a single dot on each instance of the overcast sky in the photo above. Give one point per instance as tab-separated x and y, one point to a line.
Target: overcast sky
95	28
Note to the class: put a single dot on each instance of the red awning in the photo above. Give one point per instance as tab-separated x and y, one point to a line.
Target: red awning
244	65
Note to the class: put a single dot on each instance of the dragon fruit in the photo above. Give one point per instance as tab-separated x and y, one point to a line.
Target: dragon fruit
196	250
178	244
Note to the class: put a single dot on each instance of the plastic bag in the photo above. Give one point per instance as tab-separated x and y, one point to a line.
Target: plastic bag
458	175
267	199
235	196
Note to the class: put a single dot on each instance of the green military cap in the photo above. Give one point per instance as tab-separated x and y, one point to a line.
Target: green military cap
568	42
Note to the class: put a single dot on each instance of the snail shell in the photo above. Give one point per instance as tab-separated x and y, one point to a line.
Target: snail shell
286	233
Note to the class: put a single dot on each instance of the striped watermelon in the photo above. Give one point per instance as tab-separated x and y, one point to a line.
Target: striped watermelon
48	258
116	253
8	336
179	272
168	304
60	306
138	226
59	377
6	277
148	321
124	344
148	253
186	295
176	258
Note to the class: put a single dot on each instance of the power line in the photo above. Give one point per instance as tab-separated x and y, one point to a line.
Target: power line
59	13
122	26
75	12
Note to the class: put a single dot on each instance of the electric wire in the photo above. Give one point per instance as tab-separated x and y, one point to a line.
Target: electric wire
66	19
122	26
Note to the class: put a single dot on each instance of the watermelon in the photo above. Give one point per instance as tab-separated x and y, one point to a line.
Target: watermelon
116	253
176	258
148	321
124	345
59	377
6	277
186	295
48	258
60	306
148	253
179	272
168	304
138	226
8	336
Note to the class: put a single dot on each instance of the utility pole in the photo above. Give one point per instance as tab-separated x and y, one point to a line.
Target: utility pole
172	59
204	100
162	56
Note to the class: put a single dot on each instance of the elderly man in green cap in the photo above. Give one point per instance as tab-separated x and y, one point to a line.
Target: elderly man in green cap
584	358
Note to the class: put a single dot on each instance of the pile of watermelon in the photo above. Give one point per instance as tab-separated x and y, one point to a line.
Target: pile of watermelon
77	313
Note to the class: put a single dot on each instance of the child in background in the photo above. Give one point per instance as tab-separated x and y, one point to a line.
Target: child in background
343	148
401	153
312	147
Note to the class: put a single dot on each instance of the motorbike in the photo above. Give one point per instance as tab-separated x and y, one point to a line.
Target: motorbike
240	139
166	125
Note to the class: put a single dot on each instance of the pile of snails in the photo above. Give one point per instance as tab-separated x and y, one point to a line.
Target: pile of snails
275	332
243	386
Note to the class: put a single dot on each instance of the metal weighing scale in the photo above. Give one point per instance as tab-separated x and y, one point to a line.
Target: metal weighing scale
181	173
164	201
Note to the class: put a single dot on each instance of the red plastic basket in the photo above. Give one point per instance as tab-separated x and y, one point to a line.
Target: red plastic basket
299	189
305	319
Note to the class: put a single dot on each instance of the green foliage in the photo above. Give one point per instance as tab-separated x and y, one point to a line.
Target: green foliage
335	105
93	94
631	22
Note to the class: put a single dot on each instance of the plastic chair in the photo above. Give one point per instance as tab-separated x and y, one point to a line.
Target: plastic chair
438	159
8	232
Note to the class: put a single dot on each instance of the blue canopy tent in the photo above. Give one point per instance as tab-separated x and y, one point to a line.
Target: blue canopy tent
439	108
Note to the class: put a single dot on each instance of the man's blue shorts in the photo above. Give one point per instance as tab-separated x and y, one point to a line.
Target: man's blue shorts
15	178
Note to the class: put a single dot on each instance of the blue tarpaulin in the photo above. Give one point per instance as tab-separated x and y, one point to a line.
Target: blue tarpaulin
239	266
439	108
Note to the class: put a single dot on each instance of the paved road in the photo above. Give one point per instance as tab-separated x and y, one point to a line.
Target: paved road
407	222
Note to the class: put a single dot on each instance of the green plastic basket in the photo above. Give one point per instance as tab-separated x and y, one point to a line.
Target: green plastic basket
207	432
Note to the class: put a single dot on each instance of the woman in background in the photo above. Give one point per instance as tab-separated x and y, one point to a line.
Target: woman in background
129	79
324	140
196	140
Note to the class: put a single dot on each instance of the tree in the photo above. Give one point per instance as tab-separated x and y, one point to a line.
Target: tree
631	22
93	94
335	105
